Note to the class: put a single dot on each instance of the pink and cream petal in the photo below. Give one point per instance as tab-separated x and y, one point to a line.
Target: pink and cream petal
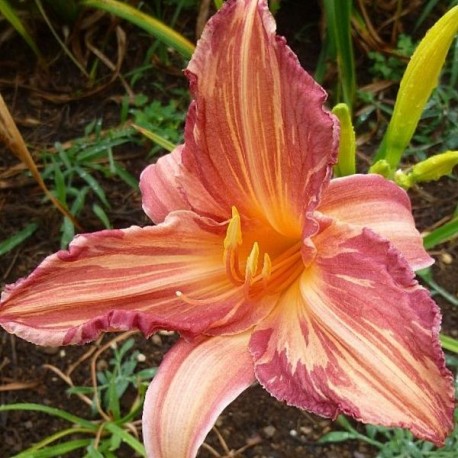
125	279
195	382
167	186
356	334
374	202
160	191
259	130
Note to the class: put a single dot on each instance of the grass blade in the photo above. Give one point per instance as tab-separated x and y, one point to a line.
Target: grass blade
442	234
56	450
426	276
12	138
449	343
126	437
338	17
50	411
10	15
61	43
32	451
15	240
161	141
152	25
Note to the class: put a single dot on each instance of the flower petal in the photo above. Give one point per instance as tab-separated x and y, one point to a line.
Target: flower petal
374	202
123	279
356	334
167	186
195	382
160	191
257	128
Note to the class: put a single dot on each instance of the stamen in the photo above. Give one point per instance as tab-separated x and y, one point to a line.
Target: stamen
266	268
232	241
252	264
234	231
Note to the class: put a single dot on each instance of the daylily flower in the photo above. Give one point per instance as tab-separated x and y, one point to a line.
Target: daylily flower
269	270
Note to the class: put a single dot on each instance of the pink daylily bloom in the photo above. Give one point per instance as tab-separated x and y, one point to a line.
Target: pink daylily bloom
268	269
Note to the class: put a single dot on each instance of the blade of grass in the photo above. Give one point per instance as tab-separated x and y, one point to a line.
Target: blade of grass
100	213
442	234
426	276
15	240
449	343
152	25
343	421
50	439
11	137
10	15
56	450
28	406
338	17
161	141
126	437
425	13
93	183
61	43
126	176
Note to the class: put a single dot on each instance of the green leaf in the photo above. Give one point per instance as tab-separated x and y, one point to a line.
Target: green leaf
338	19
93	183
10	15
426	276
50	411
449	343
59	183
126	437
16	239
92	452
100	213
336	436
56	450
80	198
126	176
67	229
446	232
156	138
152	25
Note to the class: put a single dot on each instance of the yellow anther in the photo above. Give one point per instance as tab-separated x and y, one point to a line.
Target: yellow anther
266	267
234	231
252	263
231	243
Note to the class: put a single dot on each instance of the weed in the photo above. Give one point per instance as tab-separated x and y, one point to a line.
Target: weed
111	423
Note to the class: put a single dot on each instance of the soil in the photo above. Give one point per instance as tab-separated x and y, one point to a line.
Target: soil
46	108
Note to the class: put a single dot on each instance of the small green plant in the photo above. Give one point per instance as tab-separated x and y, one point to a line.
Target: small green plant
110	423
116	378
166	121
74	172
395	442
392	67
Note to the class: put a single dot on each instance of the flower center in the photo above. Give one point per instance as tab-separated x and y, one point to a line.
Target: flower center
273	276
242	266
